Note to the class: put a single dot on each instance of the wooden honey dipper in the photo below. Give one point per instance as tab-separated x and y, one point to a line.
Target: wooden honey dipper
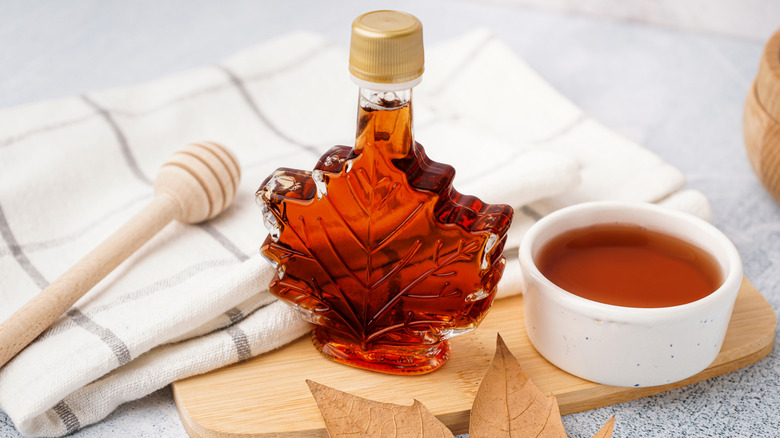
196	183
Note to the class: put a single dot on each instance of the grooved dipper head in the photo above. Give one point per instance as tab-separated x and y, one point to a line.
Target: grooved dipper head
202	178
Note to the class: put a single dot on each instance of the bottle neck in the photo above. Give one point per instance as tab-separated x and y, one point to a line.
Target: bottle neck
385	121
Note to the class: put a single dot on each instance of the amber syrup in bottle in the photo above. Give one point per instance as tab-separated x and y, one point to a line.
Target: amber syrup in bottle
375	246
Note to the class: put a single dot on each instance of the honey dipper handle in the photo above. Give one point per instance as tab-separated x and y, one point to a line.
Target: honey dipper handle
44	309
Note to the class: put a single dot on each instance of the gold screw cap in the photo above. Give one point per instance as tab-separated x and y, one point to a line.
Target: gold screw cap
386	47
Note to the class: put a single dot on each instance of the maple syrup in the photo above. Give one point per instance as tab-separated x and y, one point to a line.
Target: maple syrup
375	246
628	265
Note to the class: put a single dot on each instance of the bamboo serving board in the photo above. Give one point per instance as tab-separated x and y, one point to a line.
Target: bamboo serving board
267	396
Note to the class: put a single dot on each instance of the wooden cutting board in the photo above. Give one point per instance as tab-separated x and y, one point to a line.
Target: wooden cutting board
267	396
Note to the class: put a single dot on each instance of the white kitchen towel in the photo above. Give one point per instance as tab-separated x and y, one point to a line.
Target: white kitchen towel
194	298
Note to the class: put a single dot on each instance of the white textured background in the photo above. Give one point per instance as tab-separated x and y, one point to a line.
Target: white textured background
670	75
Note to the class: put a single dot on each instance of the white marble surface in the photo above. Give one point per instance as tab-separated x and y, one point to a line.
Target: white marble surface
679	93
752	19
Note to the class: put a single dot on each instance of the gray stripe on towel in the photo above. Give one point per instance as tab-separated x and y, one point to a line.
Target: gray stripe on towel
530	212
121	139
237	335
42	245
241	87
16	250
67	416
235	315
42	129
119	348
224	241
151	288
239	339
306	57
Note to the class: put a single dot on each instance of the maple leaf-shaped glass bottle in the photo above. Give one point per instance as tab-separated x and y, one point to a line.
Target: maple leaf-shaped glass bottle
374	245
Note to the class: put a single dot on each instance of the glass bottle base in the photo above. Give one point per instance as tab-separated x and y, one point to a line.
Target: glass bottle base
391	359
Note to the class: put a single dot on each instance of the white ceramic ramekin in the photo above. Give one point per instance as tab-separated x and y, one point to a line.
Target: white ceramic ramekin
627	346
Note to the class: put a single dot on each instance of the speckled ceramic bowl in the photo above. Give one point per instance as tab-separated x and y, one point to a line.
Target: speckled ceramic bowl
627	346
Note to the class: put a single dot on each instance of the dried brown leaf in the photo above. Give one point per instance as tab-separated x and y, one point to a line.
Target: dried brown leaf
509	405
347	415
606	429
